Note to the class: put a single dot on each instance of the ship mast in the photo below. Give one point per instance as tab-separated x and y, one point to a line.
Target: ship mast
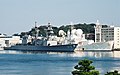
49	31
35	24
71	27
36	32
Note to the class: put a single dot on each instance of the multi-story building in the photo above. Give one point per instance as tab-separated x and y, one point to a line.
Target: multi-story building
105	33
117	37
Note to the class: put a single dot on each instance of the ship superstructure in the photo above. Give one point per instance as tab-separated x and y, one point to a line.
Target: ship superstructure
50	43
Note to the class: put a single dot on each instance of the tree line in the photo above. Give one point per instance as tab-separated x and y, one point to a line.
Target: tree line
87	28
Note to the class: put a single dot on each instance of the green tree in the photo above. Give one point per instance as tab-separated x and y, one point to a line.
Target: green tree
113	73
84	68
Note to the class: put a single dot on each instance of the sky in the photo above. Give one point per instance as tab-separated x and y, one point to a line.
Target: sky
20	15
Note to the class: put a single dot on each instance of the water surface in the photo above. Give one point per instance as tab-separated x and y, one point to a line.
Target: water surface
18	63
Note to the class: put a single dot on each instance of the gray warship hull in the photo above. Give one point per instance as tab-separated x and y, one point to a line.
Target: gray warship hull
55	48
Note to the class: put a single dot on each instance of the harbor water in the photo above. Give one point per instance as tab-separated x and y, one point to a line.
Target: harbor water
19	63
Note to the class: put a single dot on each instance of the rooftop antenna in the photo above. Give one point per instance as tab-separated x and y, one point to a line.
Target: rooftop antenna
97	23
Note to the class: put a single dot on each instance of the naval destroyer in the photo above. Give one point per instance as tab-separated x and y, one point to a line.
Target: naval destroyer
45	44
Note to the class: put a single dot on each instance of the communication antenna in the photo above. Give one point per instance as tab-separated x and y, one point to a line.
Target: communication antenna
97	23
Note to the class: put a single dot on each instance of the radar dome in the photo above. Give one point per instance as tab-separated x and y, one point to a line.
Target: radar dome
61	32
79	32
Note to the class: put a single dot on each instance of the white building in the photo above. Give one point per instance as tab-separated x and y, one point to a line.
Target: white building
107	34
6	41
117	37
